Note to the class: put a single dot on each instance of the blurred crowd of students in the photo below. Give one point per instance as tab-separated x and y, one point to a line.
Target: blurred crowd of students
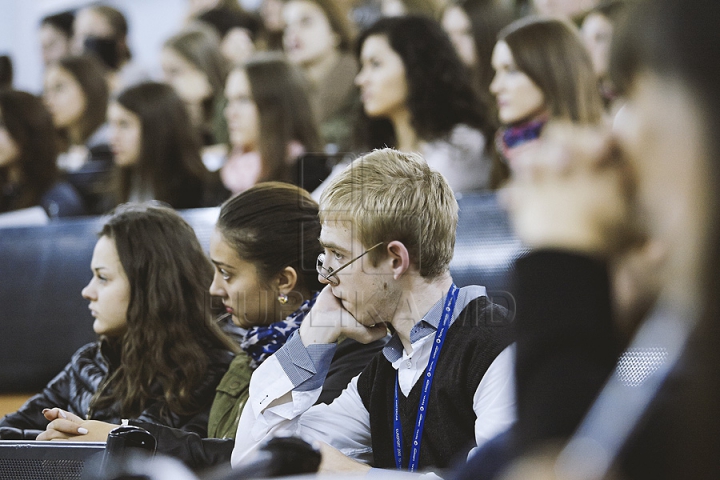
291	92
610	177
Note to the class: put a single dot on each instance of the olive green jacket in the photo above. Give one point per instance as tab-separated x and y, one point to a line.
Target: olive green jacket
230	396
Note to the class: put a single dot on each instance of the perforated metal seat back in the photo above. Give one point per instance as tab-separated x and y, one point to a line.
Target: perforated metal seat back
22	460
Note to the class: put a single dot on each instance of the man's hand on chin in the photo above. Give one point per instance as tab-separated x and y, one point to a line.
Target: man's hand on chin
328	319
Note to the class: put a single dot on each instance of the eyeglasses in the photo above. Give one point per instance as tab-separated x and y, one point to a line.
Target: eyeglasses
331	275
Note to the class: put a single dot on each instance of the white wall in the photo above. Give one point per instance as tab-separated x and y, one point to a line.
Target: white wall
150	21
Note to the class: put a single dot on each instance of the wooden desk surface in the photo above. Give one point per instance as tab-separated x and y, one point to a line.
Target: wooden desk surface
11	402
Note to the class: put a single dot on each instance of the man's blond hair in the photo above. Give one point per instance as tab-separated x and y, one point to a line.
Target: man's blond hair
390	195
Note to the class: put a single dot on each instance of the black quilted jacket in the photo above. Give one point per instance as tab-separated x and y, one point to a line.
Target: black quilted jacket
73	389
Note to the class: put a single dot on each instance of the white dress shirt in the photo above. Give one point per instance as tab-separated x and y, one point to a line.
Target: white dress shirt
279	405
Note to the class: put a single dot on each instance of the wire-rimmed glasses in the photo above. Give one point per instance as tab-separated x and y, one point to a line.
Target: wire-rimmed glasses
331	275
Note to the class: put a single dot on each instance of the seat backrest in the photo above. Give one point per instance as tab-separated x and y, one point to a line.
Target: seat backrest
485	245
44	319
23	460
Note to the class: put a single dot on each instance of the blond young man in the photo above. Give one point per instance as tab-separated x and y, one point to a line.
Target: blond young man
443	384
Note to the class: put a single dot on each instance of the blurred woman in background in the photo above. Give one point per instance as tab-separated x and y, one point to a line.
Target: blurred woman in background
597	32
55	34
238	31
159	355
155	150
417	96
193	64
271	126
76	93
542	72
317	38
28	173
473	26
273	24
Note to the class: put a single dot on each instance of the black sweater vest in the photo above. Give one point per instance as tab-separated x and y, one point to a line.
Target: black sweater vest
477	336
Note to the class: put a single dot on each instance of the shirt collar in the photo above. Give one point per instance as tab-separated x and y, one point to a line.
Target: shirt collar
393	350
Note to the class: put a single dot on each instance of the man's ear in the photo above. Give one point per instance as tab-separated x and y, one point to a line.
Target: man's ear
400	258
286	280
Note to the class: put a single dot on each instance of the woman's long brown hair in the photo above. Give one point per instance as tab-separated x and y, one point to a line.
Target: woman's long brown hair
169	325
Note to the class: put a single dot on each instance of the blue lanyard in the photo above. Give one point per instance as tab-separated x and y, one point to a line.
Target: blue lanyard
427	383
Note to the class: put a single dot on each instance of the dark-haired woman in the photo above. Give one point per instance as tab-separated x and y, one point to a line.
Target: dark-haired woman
597	31
238	31
28	173
159	355
542	72
271	126
473	26
418	97
155	150
76	93
55	34
264	250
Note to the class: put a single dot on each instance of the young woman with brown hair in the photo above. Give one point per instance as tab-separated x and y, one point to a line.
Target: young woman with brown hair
76	93
159	355
55	34
28	173
542	72
156	151
270	123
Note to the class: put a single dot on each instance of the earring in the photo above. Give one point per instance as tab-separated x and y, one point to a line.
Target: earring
282	298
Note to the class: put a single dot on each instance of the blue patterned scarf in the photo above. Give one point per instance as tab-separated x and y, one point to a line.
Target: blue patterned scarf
516	135
261	342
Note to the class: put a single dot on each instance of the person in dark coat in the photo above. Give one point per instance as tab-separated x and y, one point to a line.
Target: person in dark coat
159	355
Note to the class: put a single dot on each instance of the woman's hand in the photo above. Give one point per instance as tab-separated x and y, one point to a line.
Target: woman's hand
328	319
574	192
67	426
